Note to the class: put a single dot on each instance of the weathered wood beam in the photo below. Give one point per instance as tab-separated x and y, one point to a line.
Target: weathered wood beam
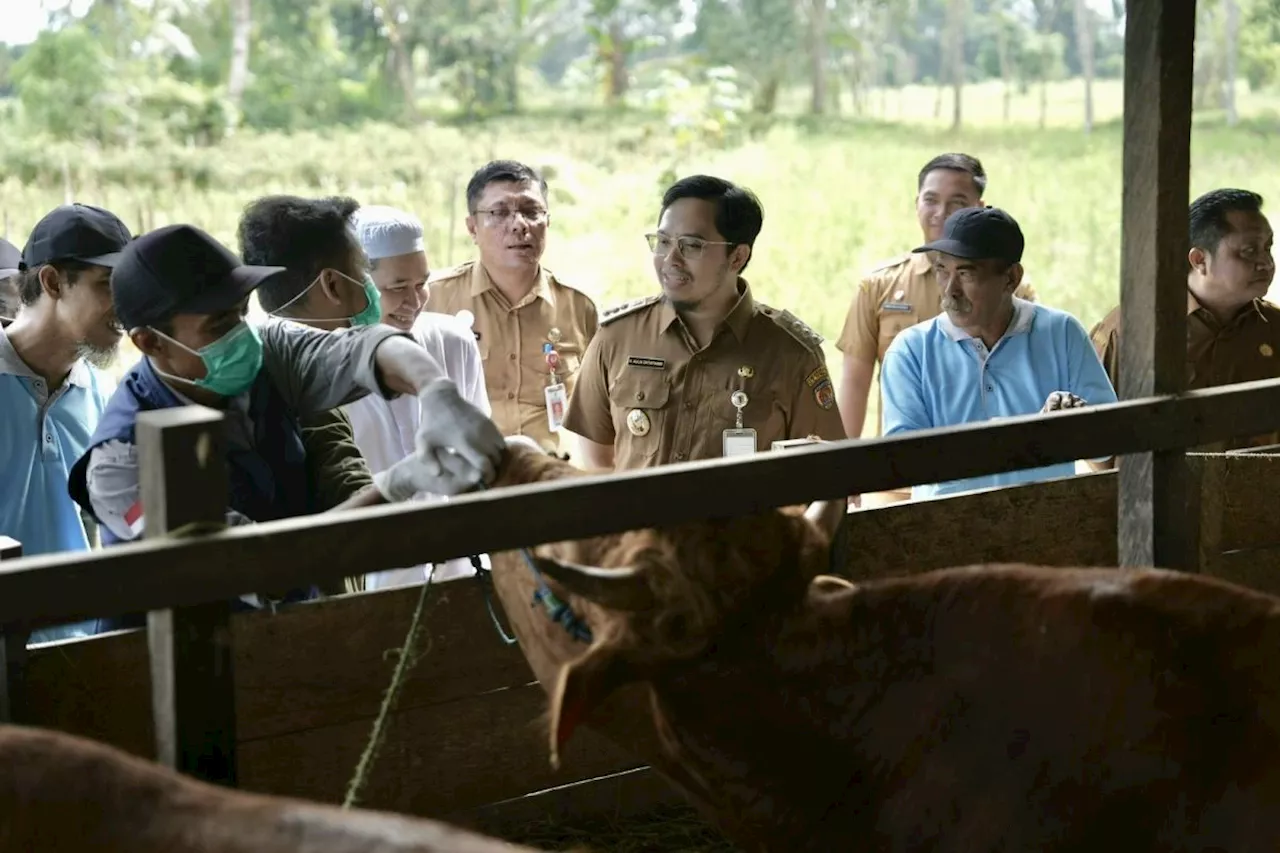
321	548
184	482
1154	525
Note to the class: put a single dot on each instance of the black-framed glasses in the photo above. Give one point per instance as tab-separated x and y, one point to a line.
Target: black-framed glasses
690	248
502	215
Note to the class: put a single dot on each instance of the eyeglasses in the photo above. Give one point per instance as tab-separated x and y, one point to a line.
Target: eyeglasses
690	247
496	216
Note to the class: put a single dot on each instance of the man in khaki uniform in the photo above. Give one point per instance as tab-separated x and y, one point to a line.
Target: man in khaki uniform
902	292
1233	334
667	376
531	328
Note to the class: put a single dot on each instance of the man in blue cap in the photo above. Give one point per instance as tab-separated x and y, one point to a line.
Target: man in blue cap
183	297
51	393
989	354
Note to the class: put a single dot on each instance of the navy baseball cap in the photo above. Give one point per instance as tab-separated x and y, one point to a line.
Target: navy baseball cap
180	269
76	232
979	233
10	258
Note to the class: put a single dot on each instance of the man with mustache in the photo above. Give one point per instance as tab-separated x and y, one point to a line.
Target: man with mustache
989	354
1233	333
532	329
52	394
700	370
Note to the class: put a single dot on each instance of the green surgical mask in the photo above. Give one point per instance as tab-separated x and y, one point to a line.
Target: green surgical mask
231	363
372	313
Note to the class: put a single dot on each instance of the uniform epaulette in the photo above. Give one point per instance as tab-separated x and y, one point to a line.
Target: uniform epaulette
450	272
794	326
628	308
895	261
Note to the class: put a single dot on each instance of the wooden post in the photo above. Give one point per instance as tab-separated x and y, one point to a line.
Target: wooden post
13	651
184	481
1159	49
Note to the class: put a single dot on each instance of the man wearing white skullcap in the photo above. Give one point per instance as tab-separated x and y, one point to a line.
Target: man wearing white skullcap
384	429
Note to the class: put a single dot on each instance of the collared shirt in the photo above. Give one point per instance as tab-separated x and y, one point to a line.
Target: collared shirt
894	296
648	389
935	375
42	436
313	370
511	339
1245	349
386	430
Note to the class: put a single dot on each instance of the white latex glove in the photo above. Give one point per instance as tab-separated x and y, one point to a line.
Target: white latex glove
411	476
1062	400
456	443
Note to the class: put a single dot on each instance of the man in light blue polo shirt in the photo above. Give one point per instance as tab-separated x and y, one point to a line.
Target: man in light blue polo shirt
51	395
989	354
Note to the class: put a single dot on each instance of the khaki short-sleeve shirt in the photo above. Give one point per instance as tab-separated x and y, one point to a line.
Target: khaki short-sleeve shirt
650	392
1244	350
512	339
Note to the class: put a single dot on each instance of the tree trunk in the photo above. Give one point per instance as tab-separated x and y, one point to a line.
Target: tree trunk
1084	42
617	62
401	54
818	56
766	99
955	39
1006	71
238	74
1232	9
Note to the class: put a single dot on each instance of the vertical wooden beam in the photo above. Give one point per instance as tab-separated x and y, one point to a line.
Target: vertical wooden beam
13	651
1159	46
184	481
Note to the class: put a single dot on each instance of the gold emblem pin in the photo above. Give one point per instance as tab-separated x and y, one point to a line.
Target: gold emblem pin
553	335
746	372
1266	350
638	422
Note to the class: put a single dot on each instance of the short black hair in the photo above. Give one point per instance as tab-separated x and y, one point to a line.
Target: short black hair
1208	215
739	214
304	235
497	171
29	288
955	162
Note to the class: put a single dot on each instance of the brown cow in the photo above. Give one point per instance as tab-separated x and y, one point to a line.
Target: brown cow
64	794
971	709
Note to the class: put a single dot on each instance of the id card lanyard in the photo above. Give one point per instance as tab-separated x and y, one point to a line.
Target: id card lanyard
739	441
555	393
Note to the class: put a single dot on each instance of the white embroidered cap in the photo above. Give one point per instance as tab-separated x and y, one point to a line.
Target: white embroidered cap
385	232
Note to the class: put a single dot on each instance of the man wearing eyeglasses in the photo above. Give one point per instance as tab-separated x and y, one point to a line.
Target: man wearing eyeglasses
531	328
700	370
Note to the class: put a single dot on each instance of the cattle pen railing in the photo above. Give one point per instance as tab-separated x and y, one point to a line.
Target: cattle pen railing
251	705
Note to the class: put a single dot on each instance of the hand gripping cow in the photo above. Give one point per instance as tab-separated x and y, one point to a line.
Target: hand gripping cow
972	709
64	794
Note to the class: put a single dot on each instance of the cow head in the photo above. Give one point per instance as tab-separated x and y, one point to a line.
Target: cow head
657	599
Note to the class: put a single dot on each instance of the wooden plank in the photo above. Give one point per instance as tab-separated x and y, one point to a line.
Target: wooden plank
1067	522
1248	517
13	651
286	554
183	478
1159	46
1257	569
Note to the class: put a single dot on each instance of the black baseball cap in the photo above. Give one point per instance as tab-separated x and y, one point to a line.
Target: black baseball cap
180	269
76	232
10	258
979	233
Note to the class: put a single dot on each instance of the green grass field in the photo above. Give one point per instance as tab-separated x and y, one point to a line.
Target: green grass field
838	194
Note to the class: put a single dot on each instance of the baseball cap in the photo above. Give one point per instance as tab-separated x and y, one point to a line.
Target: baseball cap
10	258
180	269
76	232
978	233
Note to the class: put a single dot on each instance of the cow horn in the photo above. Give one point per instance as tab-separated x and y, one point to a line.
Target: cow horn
826	515
618	589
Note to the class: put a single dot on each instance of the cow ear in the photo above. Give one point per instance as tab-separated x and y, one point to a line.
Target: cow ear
584	684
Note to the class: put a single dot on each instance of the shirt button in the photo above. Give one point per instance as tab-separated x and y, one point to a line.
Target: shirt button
49	439
639	395
511	395
680	456
512	356
688	405
990	389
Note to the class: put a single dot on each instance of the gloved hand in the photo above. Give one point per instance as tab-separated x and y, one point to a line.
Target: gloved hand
411	476
456	444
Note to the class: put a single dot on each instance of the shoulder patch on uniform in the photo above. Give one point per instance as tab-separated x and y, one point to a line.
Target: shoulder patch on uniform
823	392
797	328
628	308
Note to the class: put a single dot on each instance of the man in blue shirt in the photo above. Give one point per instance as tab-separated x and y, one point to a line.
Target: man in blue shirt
989	354
51	394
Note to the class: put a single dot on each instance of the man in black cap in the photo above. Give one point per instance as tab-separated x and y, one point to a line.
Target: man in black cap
51	396
183	298
10	259
989	354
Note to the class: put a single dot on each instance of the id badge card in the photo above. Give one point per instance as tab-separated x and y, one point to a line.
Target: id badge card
556	401
739	442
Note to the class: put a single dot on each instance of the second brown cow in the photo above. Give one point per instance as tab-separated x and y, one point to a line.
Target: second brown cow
970	709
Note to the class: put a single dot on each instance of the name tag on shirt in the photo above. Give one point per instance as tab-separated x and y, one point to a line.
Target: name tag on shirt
646	361
896	306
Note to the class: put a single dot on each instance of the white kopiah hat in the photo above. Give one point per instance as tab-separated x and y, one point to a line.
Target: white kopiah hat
385	232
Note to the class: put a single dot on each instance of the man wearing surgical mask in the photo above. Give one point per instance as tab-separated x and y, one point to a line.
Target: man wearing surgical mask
183	299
